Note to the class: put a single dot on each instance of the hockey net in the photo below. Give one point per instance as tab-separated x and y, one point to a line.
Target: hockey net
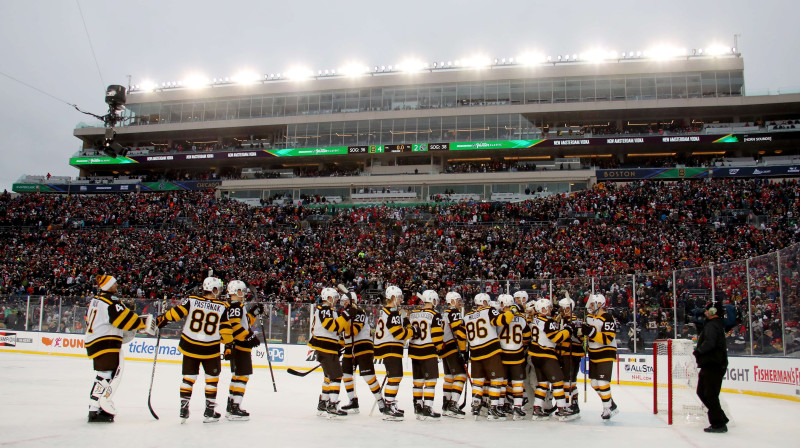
675	376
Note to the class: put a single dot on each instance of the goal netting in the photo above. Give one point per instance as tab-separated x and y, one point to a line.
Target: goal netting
675	375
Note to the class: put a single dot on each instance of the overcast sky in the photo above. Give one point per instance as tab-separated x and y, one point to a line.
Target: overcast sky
44	44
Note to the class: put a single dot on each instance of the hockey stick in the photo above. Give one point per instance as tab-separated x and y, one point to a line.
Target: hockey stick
586	366
299	373
153	374
266	346
372	411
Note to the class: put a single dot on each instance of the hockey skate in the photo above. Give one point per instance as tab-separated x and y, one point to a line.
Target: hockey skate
184	414
322	407
418	409
476	408
518	413
565	415
392	413
539	414
446	407
496	413
210	415
610	411
428	413
382	408
574	408
352	407
334	411
453	410
235	413
100	416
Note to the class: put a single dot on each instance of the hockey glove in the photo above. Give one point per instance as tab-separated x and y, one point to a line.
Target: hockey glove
252	341
161	321
256	309
149	324
589	330
406	322
417	333
227	353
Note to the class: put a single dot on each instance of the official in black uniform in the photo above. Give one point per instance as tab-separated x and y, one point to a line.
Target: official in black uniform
712	359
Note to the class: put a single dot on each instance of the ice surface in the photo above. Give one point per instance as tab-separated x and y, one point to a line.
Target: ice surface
44	404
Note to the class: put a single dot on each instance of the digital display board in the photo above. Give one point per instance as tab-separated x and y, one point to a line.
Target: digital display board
438	146
357	149
397	148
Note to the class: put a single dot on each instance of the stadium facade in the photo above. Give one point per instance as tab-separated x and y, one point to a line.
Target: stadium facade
555	122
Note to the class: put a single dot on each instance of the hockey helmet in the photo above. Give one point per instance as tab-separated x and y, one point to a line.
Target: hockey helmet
212	283
237	287
393	291
543	306
329	295
452	298
430	296
595	302
522	295
505	300
481	299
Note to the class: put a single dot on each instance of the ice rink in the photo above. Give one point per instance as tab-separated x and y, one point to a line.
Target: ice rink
44	403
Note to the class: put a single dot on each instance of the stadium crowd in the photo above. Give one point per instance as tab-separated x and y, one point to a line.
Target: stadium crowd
161	244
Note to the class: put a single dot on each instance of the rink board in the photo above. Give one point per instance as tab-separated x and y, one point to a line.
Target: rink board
770	377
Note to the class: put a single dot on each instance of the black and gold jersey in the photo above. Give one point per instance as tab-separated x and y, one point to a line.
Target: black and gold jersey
514	336
106	319
428	326
325	328
546	334
236	326
390	334
481	328
455	335
572	346
602	338
200	337
357	337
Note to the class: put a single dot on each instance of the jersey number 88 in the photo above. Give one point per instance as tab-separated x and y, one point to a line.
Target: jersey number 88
205	322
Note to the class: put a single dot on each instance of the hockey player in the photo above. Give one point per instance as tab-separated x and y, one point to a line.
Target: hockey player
108	323
484	352
520	299
200	343
391	333
514	336
240	339
325	329
570	352
358	345
600	329
423	349
453	353
546	334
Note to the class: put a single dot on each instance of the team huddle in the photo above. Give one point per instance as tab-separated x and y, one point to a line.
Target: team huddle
502	349
507	343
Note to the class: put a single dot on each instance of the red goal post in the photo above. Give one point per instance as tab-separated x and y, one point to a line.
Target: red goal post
675	376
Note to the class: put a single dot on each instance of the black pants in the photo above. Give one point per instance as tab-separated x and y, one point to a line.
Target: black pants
709	384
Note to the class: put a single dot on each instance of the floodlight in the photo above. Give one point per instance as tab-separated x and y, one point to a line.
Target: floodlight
148	86
196	82
299	73
716	50
411	65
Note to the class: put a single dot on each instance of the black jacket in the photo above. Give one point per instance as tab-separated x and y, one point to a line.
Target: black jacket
712	350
